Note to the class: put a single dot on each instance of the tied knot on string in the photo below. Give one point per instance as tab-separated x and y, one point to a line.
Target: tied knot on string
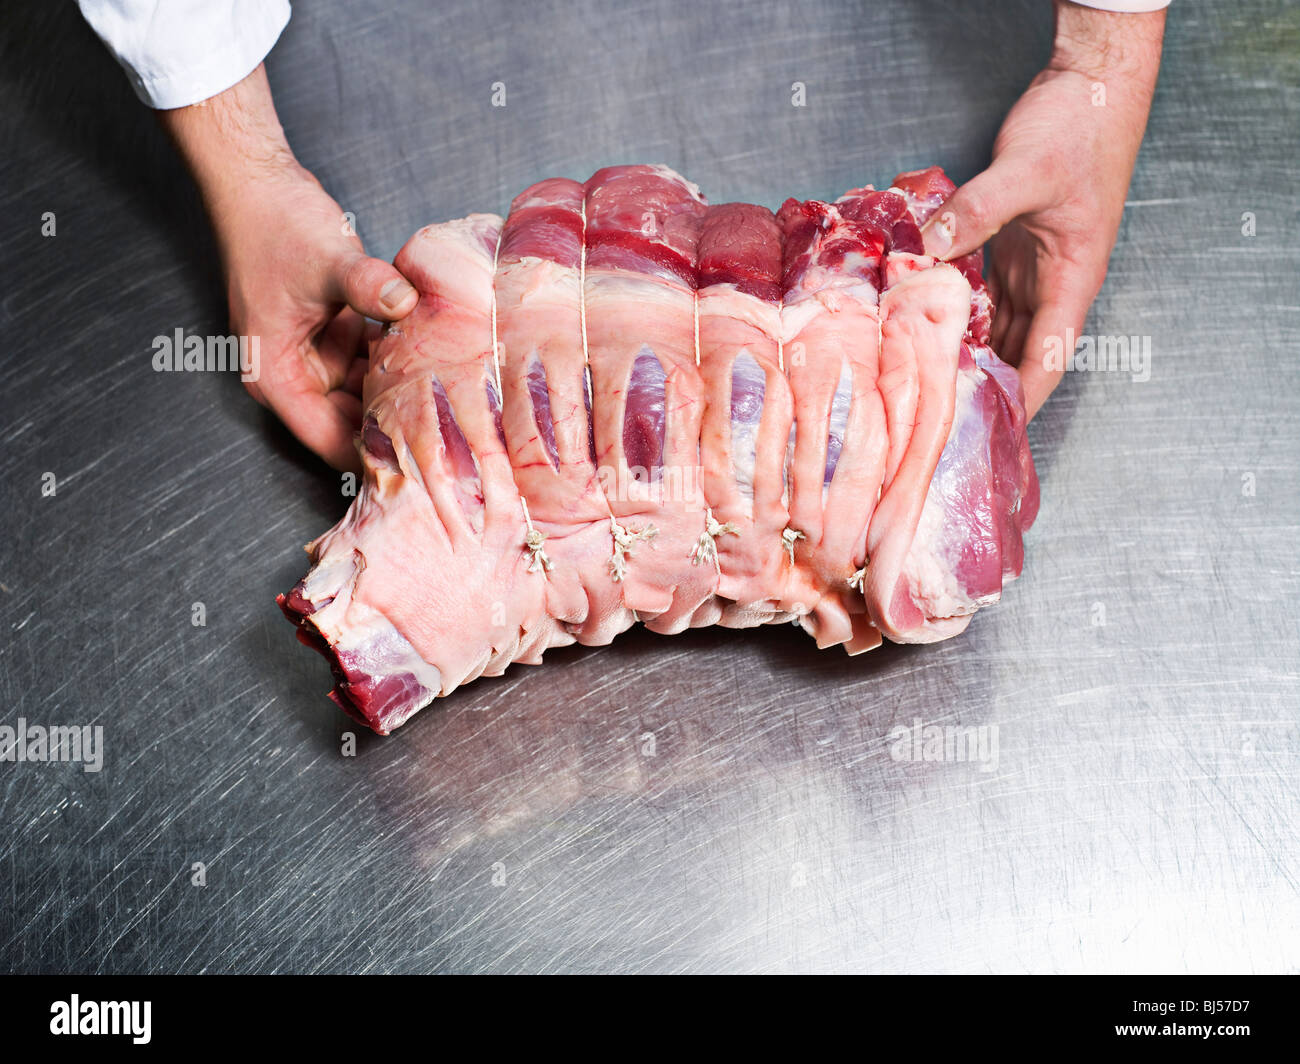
534	541
788	538
624	542
706	550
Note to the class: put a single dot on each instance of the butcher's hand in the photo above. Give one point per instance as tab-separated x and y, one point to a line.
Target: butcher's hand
296	275
1052	199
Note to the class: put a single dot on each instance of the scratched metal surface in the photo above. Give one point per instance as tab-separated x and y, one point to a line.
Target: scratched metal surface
1141	814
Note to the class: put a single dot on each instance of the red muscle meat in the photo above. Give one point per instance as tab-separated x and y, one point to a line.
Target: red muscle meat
622	404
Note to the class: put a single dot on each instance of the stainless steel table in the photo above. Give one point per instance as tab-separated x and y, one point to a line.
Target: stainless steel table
715	801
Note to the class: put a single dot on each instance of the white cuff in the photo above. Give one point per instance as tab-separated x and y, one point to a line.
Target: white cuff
1128	7
178	52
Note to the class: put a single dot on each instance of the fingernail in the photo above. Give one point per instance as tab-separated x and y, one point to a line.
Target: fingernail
937	237
394	293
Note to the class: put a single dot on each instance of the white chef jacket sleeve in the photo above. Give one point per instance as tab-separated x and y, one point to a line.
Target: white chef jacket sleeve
178	52
1126	6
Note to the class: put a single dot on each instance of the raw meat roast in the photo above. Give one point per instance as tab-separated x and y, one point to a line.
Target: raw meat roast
623	404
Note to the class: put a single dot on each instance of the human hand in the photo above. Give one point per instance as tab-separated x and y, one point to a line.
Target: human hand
296	274
1052	199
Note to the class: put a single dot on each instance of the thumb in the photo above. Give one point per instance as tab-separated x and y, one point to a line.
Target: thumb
374	288
975	212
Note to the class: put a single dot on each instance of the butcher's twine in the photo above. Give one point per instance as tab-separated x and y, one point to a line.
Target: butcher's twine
624	541
788	538
707	547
